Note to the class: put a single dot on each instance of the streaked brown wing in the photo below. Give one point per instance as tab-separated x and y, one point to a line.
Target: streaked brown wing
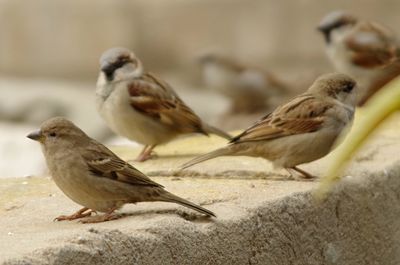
372	45
303	114
156	99
104	163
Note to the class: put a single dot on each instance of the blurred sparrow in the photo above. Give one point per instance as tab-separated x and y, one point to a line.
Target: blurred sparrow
366	51
142	107
93	176
299	131
248	88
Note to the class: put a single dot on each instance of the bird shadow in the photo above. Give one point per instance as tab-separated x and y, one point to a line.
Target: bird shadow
189	216
164	157
230	174
190	155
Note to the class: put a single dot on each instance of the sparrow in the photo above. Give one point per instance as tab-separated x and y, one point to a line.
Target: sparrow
365	50
93	176
142	107
248	88
300	131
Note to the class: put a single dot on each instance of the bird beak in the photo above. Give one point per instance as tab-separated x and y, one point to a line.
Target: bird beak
326	31
36	136
108	70
323	27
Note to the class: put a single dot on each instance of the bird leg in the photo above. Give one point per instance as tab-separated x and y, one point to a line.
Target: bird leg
84	212
108	216
303	173
146	153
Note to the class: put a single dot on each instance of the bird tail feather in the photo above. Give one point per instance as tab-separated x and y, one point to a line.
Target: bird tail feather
213	130
169	197
219	152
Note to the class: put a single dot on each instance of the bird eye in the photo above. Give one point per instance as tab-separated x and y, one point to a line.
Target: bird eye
348	88
52	134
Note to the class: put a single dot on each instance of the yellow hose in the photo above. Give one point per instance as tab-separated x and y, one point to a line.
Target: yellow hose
380	107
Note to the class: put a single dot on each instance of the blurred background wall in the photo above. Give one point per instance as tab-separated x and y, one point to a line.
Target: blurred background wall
64	38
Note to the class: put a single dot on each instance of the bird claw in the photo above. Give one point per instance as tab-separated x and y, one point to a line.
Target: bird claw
146	156
302	176
79	214
100	218
305	178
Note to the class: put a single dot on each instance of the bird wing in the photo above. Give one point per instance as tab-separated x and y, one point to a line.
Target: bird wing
304	114
156	99
372	45
104	163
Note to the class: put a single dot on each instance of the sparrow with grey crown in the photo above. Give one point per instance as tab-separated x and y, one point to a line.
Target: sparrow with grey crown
140	106
300	131
365	50
93	176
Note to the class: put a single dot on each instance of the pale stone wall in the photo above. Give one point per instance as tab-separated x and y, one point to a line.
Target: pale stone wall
63	38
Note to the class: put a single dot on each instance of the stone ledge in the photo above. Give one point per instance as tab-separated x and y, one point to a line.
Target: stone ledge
354	226
263	218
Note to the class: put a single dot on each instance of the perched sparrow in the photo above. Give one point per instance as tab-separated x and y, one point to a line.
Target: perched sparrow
142	107
299	131
93	176
366	51
249	88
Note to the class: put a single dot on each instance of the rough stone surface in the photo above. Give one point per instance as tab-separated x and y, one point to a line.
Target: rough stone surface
263	218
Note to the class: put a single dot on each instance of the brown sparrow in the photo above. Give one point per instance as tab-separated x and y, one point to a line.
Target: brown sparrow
365	50
299	131
140	106
93	176
248	88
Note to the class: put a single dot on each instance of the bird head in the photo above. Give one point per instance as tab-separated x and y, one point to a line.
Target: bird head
337	86
120	64
58	131
333	21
